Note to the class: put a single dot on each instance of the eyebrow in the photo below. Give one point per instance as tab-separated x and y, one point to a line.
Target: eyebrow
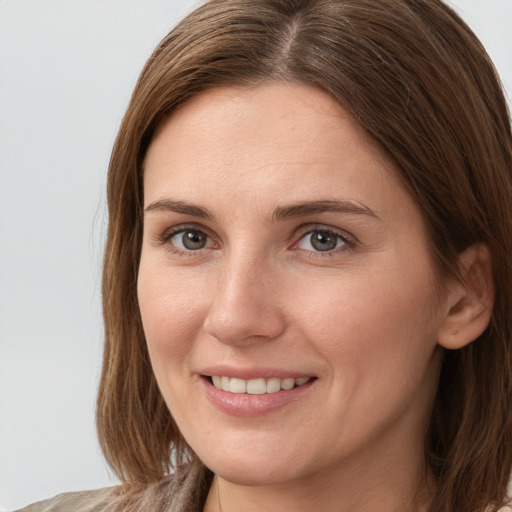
169	205
302	209
328	206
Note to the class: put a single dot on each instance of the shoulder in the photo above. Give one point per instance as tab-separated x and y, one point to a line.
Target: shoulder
183	491
82	501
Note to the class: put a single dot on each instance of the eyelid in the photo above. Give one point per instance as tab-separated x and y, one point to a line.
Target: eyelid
350	240
186	226
165	237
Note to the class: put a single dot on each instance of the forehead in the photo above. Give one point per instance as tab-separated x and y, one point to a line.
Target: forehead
281	108
271	140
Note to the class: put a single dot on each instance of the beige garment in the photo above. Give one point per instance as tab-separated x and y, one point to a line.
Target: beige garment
184	491
84	501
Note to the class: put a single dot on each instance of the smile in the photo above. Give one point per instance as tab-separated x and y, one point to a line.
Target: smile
257	386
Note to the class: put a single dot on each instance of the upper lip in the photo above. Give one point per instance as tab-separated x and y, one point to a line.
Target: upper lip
253	373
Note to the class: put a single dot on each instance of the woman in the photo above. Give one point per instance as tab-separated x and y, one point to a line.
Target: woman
307	277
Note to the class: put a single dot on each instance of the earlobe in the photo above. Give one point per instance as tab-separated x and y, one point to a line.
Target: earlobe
470	301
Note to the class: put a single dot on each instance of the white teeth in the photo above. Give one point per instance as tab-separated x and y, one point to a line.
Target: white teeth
237	386
273	385
256	386
288	383
224	383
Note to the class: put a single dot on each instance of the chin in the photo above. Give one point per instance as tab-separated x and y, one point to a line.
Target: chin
253	469
248	474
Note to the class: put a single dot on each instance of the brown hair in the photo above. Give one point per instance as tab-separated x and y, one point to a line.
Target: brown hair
421	85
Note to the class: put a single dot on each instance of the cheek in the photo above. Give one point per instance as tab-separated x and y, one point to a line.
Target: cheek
172	309
375	321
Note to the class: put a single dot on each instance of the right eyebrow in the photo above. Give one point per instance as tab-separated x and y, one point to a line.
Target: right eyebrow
169	205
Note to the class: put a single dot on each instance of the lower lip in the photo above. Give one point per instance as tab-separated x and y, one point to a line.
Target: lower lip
244	404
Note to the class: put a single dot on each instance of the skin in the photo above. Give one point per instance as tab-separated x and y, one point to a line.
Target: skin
363	319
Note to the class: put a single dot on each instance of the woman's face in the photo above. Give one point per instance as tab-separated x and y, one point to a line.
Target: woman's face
284	263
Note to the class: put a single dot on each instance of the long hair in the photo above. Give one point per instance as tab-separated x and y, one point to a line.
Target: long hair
419	82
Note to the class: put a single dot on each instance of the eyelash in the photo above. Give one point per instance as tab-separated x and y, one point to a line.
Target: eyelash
176	230
349	242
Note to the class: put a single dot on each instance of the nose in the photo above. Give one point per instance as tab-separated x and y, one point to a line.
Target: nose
245	306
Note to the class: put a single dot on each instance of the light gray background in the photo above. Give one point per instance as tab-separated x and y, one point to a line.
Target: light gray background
67	68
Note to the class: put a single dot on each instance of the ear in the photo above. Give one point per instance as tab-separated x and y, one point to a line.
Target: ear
469	300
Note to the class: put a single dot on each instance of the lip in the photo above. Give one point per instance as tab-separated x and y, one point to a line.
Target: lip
252	373
246	405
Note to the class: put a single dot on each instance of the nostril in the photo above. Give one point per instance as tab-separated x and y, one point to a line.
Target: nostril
245	326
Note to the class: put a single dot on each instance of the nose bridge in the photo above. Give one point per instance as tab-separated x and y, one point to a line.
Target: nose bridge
245	305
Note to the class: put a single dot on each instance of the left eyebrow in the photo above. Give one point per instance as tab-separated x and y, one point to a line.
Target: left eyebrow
327	206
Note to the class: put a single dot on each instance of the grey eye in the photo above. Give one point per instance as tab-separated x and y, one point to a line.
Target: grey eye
191	240
323	240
